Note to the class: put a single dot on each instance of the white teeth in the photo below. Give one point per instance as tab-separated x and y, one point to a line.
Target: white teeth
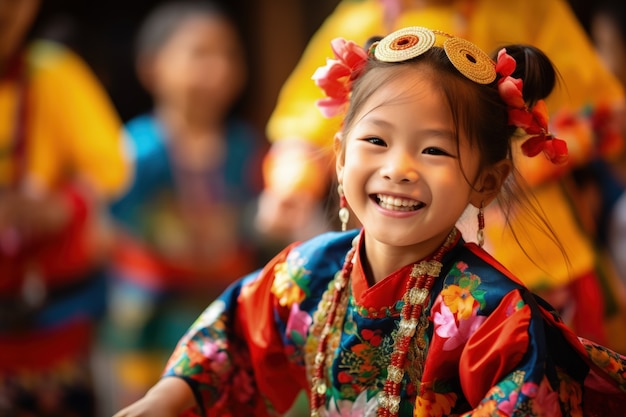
395	203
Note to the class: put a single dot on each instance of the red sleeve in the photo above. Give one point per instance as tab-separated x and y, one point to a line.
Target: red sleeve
276	376
495	349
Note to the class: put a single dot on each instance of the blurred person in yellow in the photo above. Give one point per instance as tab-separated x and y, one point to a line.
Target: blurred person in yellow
607	27
182	229
296	169
60	159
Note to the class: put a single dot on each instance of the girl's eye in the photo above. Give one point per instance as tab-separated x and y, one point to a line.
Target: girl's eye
435	151
375	141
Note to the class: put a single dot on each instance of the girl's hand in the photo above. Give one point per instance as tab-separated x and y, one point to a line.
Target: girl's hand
168	398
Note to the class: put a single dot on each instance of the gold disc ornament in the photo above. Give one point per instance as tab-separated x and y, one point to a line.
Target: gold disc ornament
470	60
404	44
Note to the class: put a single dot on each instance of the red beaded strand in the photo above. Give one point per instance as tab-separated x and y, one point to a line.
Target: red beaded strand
318	384
419	285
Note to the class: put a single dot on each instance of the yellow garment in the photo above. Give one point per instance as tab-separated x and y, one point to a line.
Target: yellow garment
72	126
549	25
550	268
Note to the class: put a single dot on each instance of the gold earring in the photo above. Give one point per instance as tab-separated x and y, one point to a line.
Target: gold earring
344	213
480	234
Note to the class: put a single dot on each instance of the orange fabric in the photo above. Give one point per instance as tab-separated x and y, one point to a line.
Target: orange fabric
493	351
256	322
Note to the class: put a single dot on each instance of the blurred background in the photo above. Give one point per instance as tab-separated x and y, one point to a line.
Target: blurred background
275	32
145	318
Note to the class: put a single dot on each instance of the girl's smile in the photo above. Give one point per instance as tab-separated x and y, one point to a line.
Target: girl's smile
391	203
401	168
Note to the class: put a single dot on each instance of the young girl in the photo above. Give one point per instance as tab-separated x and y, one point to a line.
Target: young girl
402	317
582	107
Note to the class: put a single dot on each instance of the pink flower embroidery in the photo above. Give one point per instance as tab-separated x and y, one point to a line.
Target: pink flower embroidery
299	321
446	327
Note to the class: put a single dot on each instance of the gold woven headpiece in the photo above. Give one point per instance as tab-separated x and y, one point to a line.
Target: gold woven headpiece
410	42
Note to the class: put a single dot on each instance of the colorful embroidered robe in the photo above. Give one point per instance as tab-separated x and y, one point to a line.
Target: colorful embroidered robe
489	346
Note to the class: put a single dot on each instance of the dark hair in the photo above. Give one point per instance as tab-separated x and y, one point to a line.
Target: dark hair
165	19
478	110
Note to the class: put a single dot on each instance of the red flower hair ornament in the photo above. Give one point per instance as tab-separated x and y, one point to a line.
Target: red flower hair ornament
336	77
533	121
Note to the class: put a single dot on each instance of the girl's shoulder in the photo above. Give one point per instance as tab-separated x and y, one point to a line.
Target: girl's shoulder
314	262
325	250
474	271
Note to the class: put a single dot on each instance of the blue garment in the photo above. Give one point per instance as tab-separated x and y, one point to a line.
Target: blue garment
483	343
169	251
236	179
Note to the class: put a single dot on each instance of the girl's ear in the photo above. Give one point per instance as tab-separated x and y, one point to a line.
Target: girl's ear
490	183
339	156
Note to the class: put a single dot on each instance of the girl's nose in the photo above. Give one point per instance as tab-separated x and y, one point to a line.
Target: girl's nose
401	168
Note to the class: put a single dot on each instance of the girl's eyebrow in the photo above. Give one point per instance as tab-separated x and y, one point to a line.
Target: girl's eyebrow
443	132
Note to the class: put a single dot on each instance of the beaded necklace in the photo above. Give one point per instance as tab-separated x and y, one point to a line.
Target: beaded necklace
418	286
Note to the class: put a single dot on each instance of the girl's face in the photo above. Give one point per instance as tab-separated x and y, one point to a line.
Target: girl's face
200	66
401	169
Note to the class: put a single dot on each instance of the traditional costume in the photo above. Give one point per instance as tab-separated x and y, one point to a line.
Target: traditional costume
581	107
482	343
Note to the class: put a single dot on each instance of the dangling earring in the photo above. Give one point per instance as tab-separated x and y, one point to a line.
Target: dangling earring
344	213
480	234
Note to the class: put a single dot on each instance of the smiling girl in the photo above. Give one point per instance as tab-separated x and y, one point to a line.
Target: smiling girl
402	317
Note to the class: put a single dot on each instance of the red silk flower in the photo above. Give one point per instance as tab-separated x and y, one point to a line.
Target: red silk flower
336	77
534	121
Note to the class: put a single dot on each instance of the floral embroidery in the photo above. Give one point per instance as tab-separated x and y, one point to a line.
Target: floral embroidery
546	402
364	362
502	399
372	312
570	395
447	328
211	360
611	362
464	295
288	285
434	404
298	325
363	406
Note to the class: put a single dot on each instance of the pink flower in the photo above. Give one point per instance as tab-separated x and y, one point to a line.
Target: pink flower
505	65
336	77
446	327
556	150
299	321
510	90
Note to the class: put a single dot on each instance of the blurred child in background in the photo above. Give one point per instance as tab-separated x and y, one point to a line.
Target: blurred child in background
61	158
182	234
608	31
